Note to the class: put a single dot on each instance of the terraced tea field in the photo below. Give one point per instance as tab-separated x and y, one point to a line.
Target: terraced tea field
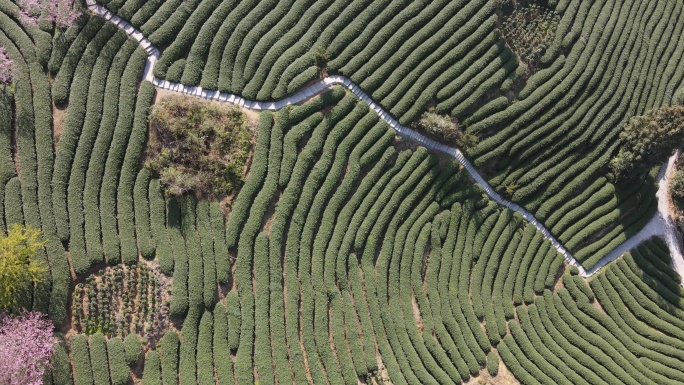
357	247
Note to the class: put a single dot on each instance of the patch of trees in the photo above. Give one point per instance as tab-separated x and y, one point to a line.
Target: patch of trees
196	147
446	129
26	344
647	141
19	270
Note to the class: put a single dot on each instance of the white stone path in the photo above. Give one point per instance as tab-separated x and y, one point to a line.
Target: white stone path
656	227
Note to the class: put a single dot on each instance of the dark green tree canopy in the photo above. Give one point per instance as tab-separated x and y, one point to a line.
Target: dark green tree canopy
647	140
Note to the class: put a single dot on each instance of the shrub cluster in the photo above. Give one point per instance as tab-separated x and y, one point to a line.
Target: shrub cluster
198	147
446	129
529	30
120	300
677	188
647	141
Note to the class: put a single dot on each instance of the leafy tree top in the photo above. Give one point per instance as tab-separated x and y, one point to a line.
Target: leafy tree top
647	141
18	269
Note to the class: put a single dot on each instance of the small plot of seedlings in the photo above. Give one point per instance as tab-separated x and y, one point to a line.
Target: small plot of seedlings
120	300
529	30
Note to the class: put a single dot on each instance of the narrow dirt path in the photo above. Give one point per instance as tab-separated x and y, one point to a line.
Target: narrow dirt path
661	224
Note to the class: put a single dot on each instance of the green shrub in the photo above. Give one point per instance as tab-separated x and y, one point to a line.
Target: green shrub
204	230
221	351
80	354
678	97
218	228
160	233
98	358
187	365
132	348
129	125
168	350
198	147
152	370
120	372
143	227
205	358
61	367
492	363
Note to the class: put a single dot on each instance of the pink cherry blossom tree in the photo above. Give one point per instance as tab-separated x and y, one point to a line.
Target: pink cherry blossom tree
6	67
26	344
59	12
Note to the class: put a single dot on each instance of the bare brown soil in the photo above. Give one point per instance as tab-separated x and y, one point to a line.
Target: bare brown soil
504	377
58	116
416	313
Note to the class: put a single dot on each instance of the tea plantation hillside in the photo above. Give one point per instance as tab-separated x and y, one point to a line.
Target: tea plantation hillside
354	247
547	142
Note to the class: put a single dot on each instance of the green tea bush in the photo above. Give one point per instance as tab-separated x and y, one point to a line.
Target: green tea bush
163	252
73	125
210	283
61	367
132	349
186	37
179	298
143	225
155	15
120	372
257	175
62	85
187	365
98	358
99	154
221	256
221	351
168	351
205	358
492	363
152	371
80	354
234	318
109	209
171	25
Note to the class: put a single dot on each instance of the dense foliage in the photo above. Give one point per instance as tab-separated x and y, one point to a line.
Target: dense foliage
647	141
677	188
446	129
198	147
19	267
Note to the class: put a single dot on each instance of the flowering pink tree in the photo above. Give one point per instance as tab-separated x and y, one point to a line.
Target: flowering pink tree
60	12
6	67
26	344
